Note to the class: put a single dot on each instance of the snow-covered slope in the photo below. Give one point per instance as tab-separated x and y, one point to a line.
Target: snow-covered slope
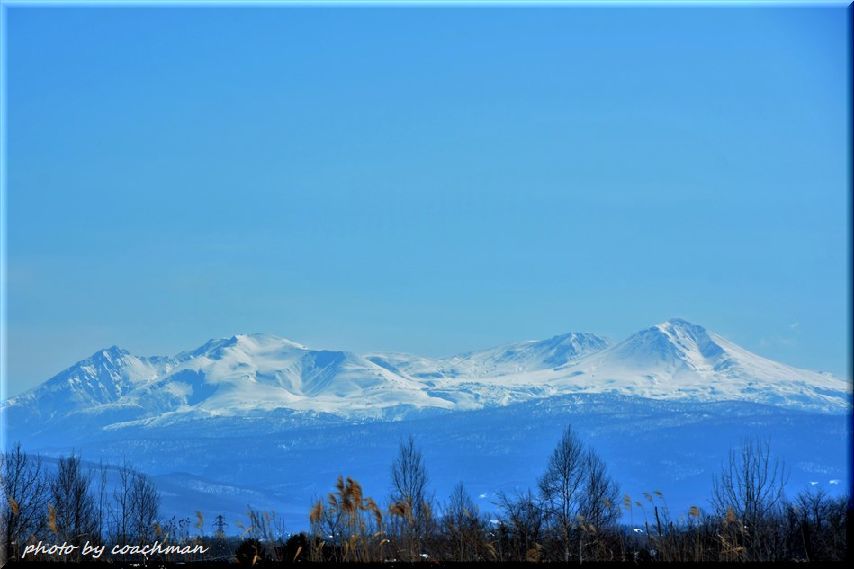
108	376
262	372
232	376
258	373
503	360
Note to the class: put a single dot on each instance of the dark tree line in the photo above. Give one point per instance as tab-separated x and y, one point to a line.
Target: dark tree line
575	513
72	503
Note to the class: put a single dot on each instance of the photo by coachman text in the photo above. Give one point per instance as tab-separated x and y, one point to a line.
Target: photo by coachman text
96	551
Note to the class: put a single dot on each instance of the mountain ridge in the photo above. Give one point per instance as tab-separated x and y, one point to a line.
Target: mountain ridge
248	373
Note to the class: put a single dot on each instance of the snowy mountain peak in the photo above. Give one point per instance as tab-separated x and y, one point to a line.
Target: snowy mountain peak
103	378
260	339
500	361
104	364
680	322
566	347
246	343
109	354
673	344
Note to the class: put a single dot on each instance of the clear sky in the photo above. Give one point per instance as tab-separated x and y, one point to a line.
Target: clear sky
423	179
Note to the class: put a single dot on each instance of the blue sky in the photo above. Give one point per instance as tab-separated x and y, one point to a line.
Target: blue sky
423	179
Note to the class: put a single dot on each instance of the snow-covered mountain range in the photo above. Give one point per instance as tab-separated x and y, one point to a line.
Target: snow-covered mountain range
675	360
235	421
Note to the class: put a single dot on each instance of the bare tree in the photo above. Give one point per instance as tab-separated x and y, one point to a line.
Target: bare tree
598	508
75	517
135	506
409	495
145	504
523	519
562	485
122	507
26	490
462	524
749	489
599	504
578	495
818	522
